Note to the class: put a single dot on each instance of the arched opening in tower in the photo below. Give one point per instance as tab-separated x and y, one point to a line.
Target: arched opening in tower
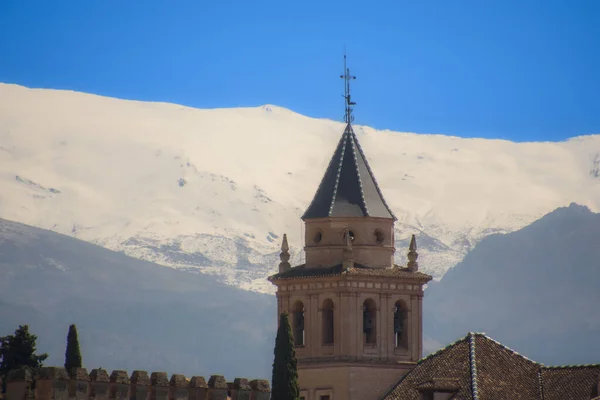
400	324
298	323
370	321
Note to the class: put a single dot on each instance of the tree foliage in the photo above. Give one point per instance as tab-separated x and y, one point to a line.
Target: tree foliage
73	353
285	366
18	350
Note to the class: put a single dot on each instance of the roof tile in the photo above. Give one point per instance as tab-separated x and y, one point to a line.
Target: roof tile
571	382
503	373
451	363
482	368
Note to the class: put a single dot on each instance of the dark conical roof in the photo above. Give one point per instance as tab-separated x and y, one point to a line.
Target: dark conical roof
348	188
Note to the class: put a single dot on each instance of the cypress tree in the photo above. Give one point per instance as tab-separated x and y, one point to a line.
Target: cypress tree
285	367
18	351
72	354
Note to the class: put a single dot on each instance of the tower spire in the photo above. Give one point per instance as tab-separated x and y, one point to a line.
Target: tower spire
348	117
413	265
348	188
284	256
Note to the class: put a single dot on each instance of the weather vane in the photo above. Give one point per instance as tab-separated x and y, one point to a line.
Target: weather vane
347	77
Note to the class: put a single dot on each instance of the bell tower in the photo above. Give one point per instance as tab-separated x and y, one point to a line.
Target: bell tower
356	316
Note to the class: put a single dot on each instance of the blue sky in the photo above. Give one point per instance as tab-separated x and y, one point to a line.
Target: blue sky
520	70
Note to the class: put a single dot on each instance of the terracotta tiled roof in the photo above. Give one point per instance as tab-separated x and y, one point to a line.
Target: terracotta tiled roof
451	362
480	368
570	382
503	373
357	270
440	384
348	188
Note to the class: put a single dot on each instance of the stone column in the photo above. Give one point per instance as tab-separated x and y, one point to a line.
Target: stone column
217	388
319	330
358	326
381	322
159	386
420	330
260	389
119	385
414	328
79	384
338	315
178	387
52	384
281	303
388	331
344	324
99	384
348	347
139	385
18	384
198	388
313	336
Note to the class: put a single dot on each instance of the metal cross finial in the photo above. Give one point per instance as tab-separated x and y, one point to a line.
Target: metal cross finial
347	77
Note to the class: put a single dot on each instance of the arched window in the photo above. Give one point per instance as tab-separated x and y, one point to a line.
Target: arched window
400	324
379	236
327	317
298	323
318	237
370	321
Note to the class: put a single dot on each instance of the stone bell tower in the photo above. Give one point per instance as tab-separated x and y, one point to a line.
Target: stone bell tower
356	317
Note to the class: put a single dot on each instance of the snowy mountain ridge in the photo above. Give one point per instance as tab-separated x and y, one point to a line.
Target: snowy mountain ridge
216	189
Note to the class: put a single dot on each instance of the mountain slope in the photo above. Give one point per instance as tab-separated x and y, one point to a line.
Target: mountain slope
536	290
131	314
216	189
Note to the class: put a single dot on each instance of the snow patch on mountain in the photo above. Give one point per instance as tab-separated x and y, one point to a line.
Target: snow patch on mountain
214	190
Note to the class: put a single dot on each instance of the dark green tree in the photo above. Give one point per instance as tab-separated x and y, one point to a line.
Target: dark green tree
285	366
72	354
18	351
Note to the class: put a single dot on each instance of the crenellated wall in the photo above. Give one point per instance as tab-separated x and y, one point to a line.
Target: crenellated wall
53	383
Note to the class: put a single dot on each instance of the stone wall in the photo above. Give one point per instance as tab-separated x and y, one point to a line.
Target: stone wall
53	383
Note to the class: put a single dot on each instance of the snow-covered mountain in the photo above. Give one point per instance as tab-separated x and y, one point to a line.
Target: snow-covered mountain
130	313
534	289
216	189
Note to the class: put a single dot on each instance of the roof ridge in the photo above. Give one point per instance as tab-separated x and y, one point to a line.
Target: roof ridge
372	175
540	382
473	364
338	173
442	349
354	144
427	357
348	190
543	366
484	335
324	175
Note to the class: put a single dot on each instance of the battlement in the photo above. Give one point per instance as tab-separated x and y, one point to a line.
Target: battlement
53	383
